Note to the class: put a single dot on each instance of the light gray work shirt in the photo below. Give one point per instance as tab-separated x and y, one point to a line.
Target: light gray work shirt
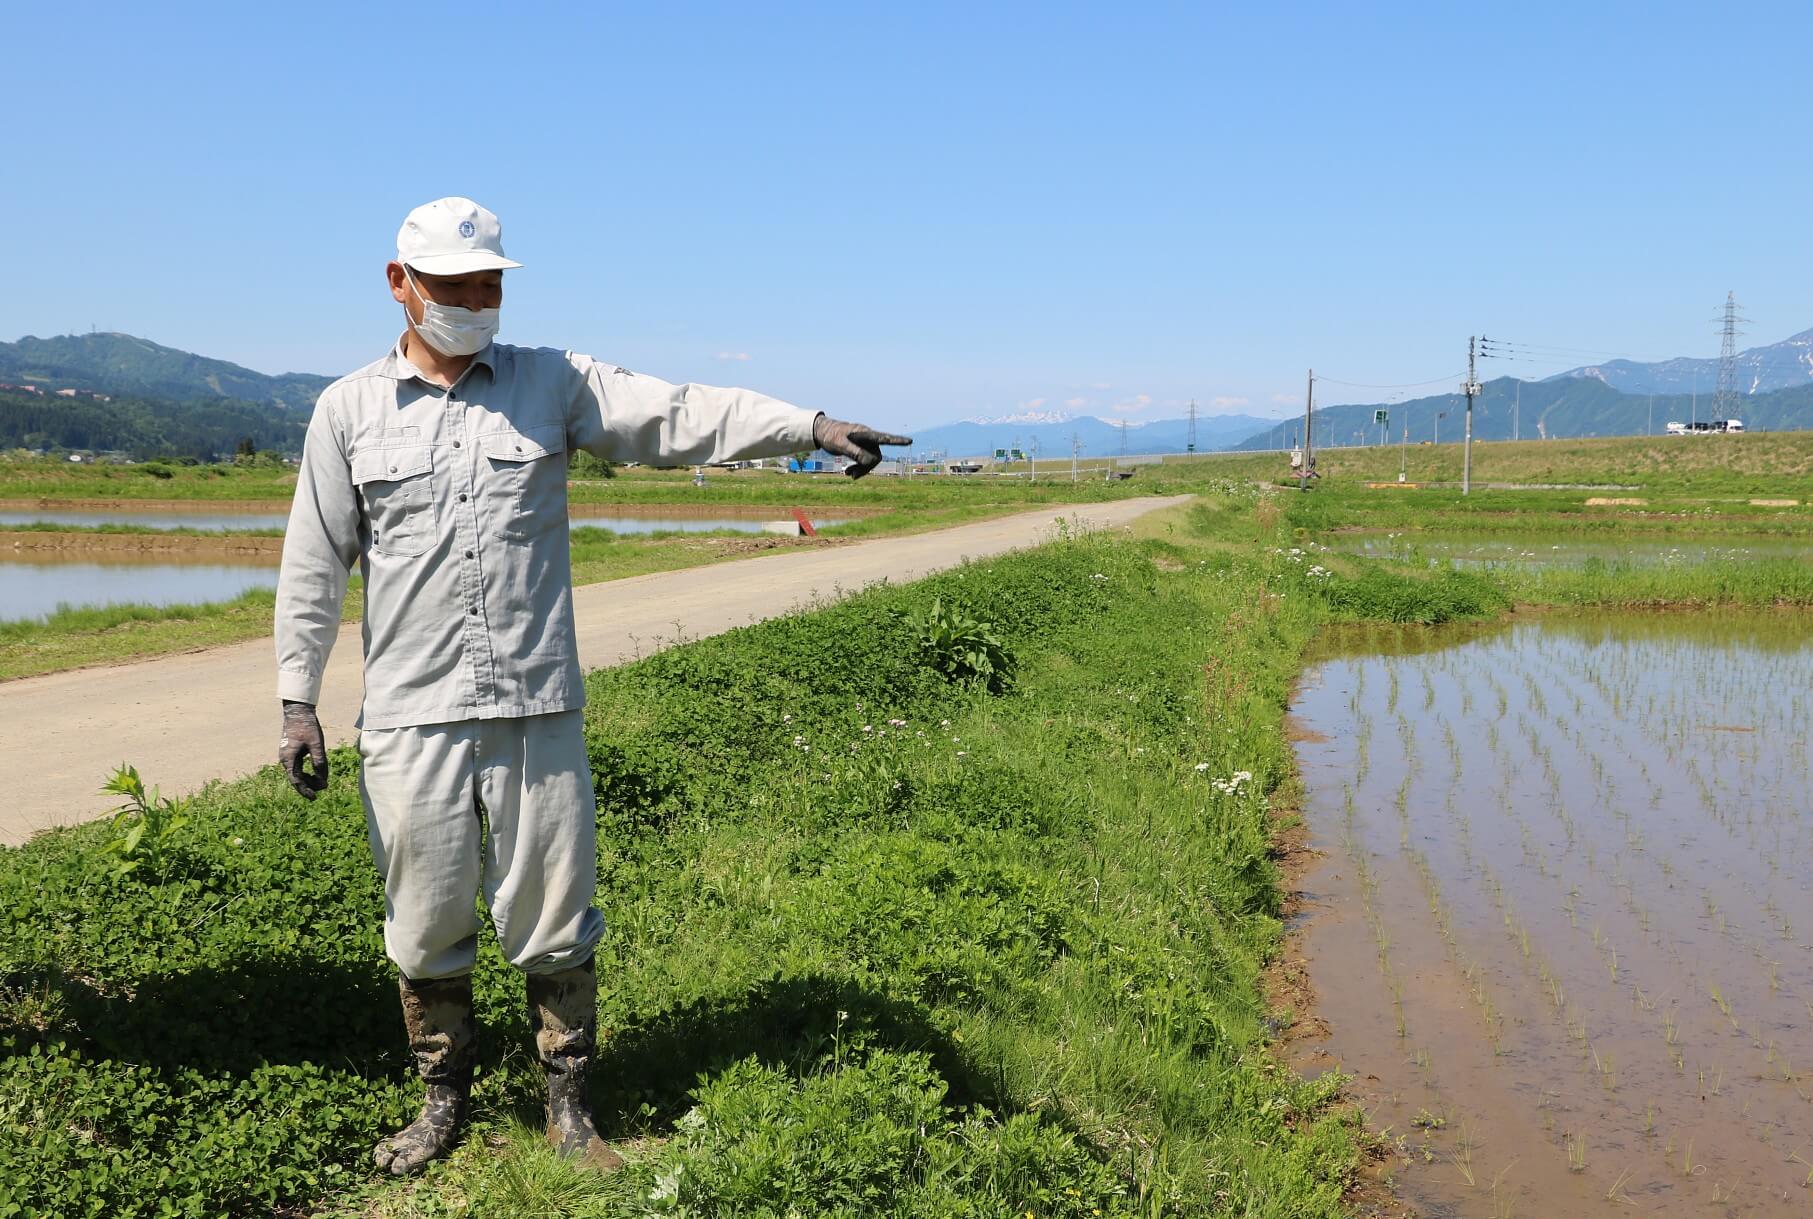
453	502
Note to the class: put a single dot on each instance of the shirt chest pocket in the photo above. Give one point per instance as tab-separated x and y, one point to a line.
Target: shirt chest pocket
525	480
396	486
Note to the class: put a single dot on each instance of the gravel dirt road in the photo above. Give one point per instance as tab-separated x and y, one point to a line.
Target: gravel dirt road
186	719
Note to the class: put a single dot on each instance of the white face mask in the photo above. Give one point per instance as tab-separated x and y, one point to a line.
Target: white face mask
450	330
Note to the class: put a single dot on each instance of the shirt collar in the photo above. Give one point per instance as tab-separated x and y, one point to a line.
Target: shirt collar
398	366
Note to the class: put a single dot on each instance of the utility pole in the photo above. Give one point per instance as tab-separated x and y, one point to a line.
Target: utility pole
1649	421
1472	391
1693	408
1516	409
1076	446
1033	451
1404	450
1309	411
1190	444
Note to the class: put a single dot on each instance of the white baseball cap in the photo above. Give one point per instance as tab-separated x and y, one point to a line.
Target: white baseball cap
452	236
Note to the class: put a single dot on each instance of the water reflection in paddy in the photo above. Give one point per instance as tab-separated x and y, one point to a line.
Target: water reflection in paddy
33	584
1561	932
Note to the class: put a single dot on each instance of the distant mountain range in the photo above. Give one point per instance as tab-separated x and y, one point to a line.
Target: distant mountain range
1599	400
1531	410
1094	437
122	364
1760	370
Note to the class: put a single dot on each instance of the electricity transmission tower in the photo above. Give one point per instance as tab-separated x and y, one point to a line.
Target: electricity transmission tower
1725	405
1190	443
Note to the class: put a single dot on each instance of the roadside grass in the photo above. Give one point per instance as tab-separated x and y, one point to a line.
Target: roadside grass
878	943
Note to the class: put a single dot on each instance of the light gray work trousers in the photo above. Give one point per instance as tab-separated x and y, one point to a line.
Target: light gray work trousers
533	856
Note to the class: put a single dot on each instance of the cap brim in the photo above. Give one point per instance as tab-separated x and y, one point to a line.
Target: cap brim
459	263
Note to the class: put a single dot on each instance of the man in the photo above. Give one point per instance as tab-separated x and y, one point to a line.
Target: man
441	470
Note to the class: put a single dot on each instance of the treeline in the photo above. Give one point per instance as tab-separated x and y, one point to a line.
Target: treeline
147	427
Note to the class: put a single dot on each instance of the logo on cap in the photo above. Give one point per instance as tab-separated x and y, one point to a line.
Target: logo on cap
466	229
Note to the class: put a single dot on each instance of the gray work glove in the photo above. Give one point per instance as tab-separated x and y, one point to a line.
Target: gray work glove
302	740
857	441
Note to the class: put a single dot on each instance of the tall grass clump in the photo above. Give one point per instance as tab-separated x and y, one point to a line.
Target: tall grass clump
1379	594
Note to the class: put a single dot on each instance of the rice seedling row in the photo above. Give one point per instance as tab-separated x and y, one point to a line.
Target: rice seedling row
1579	853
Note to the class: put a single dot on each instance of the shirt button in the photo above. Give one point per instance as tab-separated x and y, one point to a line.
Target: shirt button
468	554
456	444
462	497
393	469
472	609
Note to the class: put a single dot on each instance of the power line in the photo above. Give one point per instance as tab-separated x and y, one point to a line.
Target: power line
1401	385
1541	348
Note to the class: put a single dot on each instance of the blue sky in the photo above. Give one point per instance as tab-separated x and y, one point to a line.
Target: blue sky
915	213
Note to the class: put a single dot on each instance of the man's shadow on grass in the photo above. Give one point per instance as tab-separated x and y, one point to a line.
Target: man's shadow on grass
236	1018
792	1024
229	1019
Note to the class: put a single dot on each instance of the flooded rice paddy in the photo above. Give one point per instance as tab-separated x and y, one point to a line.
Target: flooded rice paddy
35	583
1560	931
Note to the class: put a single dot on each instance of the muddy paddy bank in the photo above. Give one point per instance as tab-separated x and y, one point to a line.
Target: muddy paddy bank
1556	920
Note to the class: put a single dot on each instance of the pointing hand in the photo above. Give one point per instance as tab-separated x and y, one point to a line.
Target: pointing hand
857	441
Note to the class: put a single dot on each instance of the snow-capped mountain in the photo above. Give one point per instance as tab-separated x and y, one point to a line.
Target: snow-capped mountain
1025	417
1052	438
1760	370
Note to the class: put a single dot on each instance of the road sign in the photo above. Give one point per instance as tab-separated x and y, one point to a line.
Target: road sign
1379	416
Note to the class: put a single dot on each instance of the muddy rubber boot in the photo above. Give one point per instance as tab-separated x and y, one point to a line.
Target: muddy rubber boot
563	1014
442	1036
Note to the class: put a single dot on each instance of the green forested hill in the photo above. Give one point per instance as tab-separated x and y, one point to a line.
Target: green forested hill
122	364
1531	410
147	427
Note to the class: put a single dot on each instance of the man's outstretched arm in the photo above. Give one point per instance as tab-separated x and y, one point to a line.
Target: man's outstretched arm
623	416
